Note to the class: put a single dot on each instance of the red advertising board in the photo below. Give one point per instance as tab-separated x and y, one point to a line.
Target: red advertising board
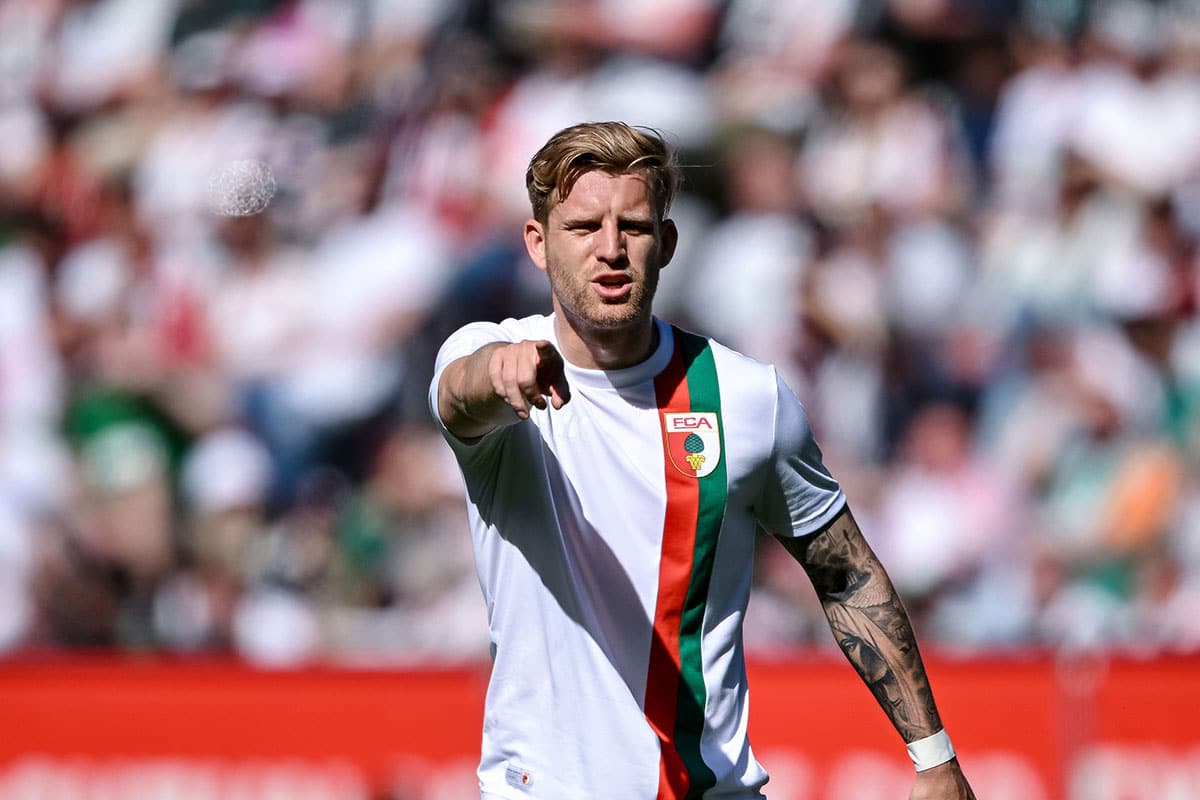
1030	728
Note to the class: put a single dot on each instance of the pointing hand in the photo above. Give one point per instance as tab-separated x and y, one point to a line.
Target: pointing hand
525	373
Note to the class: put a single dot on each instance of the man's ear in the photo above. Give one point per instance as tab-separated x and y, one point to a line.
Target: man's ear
668	239
535	242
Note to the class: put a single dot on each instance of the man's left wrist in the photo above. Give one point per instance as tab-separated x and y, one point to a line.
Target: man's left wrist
932	751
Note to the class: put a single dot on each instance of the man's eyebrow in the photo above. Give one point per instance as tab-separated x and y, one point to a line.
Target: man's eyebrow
586	219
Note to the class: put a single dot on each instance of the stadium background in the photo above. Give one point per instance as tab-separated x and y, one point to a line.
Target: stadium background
233	553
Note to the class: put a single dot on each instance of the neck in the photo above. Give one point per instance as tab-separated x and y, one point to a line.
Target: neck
603	348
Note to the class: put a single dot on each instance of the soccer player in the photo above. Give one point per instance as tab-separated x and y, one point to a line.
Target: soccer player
617	469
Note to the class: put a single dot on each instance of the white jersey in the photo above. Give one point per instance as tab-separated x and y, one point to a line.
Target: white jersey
613	539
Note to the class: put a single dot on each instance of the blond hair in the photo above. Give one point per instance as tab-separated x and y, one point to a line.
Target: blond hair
612	147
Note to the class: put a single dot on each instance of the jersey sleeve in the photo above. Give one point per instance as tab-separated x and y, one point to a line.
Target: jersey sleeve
798	496
463	342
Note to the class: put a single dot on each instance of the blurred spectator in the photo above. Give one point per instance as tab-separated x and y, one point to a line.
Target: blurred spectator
1037	109
225	481
880	144
771	57
16	566
943	513
1046	262
1133	82
107	50
757	311
965	232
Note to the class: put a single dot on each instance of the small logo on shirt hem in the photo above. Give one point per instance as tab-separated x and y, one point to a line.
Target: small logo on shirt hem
518	776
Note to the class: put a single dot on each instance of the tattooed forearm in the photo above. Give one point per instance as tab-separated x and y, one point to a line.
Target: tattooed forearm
870	623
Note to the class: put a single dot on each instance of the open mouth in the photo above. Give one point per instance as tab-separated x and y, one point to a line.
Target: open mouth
613	286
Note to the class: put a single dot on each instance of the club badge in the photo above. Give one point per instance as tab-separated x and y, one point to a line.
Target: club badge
693	442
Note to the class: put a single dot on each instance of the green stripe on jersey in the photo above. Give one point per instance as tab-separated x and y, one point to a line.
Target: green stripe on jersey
689	721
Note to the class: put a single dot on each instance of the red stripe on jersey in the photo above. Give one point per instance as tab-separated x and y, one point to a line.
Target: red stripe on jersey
674	575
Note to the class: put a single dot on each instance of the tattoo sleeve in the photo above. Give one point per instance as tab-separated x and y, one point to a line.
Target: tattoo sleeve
869	623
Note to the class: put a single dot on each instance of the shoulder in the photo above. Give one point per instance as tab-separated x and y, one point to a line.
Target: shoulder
749	389
531	327
535	326
738	373
474	335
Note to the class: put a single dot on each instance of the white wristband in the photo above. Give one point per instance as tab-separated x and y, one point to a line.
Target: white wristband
931	751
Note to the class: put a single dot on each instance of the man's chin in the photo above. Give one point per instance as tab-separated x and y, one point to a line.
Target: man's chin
614	316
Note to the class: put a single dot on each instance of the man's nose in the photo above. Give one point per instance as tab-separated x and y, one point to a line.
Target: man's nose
610	243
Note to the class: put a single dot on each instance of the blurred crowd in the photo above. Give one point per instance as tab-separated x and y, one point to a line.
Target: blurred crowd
965	230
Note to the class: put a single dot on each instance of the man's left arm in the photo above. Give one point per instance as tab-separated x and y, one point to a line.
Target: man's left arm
873	631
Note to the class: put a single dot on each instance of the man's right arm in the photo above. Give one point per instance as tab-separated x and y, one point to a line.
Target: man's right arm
498	385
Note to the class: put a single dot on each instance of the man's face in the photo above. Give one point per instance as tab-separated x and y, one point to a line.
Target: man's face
602	247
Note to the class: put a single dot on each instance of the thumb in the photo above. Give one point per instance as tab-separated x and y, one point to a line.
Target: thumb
560	391
552	375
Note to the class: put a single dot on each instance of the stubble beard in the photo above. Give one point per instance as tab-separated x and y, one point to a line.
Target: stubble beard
578	300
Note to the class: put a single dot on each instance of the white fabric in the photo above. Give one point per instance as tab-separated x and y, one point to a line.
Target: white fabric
756	310
566	513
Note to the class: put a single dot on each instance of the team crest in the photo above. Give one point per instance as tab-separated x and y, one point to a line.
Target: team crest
693	442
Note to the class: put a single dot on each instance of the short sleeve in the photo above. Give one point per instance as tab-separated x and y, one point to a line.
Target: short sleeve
463	342
798	495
